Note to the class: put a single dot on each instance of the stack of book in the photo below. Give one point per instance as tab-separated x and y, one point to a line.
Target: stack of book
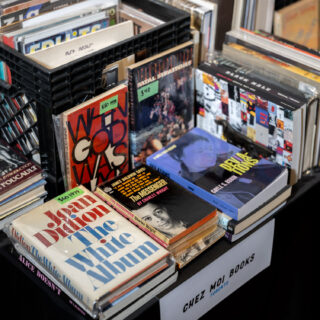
292	68
98	261
175	217
244	188
22	183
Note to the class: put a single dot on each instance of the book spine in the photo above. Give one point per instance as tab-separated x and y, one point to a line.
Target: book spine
49	265
277	25
289	44
66	164
151	231
37	275
226	223
131	112
228	236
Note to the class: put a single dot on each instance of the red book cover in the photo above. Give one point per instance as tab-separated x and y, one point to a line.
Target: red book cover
95	135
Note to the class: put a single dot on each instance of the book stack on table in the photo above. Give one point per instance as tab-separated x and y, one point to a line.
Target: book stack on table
22	183
102	263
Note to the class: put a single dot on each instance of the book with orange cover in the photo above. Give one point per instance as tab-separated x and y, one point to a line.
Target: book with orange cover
95	139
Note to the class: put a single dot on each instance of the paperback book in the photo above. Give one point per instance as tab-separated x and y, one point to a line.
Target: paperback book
173	216
220	173
23	198
278	47
160	100
268	115
92	251
95	139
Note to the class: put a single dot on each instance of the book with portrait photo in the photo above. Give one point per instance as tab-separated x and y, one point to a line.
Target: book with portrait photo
220	173
175	217
157	204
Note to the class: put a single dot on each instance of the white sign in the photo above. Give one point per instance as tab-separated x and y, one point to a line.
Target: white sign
196	296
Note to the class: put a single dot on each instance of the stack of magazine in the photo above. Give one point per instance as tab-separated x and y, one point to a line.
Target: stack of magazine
102	264
22	183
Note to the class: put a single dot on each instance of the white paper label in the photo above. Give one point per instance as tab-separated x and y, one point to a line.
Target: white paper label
207	288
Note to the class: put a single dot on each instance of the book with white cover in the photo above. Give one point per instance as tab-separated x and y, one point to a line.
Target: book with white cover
88	247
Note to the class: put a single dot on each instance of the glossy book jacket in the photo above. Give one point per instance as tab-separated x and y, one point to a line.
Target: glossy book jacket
219	172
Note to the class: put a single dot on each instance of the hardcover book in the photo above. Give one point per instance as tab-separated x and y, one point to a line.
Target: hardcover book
22	198
92	251
173	216
95	139
131	301
16	171
271	116
220	173
160	100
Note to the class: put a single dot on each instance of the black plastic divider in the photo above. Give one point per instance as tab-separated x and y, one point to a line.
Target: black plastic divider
56	90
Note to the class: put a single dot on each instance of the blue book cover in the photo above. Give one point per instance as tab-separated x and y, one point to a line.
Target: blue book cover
219	172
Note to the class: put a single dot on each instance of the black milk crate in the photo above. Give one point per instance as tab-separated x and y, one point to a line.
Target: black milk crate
56	90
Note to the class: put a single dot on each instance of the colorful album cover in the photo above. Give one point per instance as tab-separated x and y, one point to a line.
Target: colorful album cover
161	100
95	135
257	117
217	171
